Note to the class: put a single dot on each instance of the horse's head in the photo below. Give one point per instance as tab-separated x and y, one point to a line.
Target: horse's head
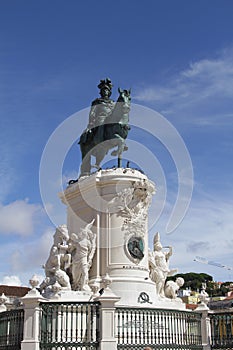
120	113
124	96
124	100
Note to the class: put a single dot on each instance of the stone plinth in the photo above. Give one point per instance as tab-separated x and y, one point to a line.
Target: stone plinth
118	200
31	331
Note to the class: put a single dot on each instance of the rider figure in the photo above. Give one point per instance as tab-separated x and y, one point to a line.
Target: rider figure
107	127
101	108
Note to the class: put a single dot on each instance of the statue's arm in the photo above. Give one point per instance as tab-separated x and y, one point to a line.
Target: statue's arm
71	247
92	252
169	253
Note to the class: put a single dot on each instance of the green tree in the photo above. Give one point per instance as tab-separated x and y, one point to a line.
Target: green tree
193	280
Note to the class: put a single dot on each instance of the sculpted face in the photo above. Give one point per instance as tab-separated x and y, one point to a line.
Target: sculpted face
105	93
180	281
62	232
82	234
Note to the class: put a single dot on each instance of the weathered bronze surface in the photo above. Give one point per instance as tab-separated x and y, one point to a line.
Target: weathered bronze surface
107	128
136	247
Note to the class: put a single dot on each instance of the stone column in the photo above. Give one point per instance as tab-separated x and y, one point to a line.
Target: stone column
3	300
108	340
205	326
31	333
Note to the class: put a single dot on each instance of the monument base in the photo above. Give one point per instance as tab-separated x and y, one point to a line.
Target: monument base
138	293
116	202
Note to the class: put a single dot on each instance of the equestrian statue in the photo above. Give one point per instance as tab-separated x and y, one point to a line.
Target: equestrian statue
107	128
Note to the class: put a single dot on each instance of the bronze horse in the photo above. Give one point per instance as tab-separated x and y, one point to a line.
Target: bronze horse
115	132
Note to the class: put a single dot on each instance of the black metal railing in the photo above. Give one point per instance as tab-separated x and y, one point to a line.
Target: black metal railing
158	328
221	330
69	325
11	329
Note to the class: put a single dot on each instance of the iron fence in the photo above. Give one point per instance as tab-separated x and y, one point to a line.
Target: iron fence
11	329
221	330
69	326
158	328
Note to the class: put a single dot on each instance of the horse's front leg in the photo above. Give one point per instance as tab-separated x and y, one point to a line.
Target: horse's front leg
121	146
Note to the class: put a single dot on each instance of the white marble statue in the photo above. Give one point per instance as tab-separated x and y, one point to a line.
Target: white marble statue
204	296
53	262
59	258
82	247
3	301
159	265
60	240
54	274
171	288
58	261
61	235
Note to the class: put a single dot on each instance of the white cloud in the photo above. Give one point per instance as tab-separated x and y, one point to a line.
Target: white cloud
207	75
38	251
16	260
11	281
203	90
19	217
31	256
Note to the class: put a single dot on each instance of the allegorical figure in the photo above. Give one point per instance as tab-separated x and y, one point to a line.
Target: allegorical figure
82	248
58	261
171	288
159	265
60	240
54	272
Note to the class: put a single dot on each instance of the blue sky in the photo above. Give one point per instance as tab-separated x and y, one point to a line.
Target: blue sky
177	57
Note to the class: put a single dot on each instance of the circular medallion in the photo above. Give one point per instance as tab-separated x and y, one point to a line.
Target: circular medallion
135	247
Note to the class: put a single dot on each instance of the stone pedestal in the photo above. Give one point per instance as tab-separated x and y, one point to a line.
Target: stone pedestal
31	331
108	299
118	200
205	326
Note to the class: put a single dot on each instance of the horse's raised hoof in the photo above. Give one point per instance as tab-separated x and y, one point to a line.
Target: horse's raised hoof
96	166
125	148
